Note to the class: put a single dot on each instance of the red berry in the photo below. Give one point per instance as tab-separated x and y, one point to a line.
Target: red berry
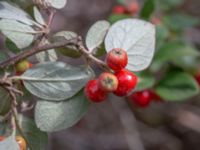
133	8
108	82
2	138
155	96
117	59
142	98
93	92
126	82
197	77
119	9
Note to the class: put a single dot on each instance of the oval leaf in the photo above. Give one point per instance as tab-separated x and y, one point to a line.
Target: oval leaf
5	101
177	86
20	34
135	36
147	9
57	3
52	116
70	51
7	11
55	81
96	34
38	16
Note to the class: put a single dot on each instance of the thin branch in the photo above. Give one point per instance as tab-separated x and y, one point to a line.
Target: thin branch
33	51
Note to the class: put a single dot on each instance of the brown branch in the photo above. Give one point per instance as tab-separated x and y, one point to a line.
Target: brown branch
75	42
33	51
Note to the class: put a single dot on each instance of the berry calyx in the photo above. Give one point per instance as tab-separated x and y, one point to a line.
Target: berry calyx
93	92
119	9
142	98
22	66
126	82
108	82
21	142
117	59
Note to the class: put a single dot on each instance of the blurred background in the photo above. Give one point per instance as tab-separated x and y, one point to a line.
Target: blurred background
148	119
162	125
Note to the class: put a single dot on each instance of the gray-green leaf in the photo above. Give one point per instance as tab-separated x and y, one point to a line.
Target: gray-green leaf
38	16
54	116
20	34
96	34
70	51
135	36
8	11
55	81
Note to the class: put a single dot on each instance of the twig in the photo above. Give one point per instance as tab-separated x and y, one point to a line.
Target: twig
28	53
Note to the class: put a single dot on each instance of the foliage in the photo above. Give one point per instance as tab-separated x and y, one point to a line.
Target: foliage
58	87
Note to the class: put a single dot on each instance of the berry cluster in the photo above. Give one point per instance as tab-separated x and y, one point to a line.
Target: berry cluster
131	9
20	140
121	82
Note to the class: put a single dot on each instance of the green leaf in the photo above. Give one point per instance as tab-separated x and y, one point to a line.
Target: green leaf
177	86
70	51
188	63
9	144
37	139
52	116
145	81
12	46
5	101
116	17
161	35
8	11
174	50
55	81
121	2
96	34
57	4
147	9
169	4
137	38
20	34
180	21
3	56
100	51
38	16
